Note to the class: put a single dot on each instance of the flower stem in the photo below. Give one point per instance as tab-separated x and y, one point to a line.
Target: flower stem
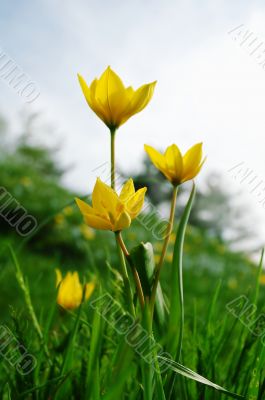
112	156
164	249
125	278
123	268
134	270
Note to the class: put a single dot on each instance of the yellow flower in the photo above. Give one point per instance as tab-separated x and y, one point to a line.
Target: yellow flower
87	232
262	279
70	291
110	211
25	181
176	167
111	101
59	219
68	211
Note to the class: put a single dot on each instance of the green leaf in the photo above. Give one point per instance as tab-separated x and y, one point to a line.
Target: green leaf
120	371
176	318
188	373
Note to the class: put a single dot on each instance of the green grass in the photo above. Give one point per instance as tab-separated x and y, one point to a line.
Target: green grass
80	355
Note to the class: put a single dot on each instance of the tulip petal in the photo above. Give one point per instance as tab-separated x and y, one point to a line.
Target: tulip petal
193	173
174	162
157	158
127	191
89	289
123	222
58	277
84	207
89	94
139	101
192	161
104	199
110	94
135	204
142	97
97	222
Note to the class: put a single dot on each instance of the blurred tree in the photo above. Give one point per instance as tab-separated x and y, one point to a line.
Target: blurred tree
30	172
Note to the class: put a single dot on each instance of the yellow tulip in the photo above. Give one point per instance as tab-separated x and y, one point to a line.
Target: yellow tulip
111	211
176	167
70	291
113	103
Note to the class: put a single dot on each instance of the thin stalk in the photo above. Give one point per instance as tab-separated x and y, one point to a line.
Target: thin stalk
112	156
124	272
134	270
125	277
164	249
25	289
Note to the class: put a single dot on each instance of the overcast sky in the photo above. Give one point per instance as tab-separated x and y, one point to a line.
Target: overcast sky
209	87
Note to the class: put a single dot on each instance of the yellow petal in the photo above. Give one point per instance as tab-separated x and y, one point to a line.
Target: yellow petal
157	158
118	98
174	163
104	199
84	207
97	222
192	162
127	191
89	94
58	277
140	99
89	289
123	222
135	204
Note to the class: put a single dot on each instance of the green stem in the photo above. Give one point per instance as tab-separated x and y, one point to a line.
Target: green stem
125	277
123	270
134	270
112	156
164	249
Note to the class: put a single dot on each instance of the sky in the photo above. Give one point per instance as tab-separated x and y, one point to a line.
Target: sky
210	87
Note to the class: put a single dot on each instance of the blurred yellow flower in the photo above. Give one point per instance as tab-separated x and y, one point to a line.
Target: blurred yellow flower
87	232
26	181
59	219
110	211
172	238
176	167
70	291
157	258
262	279
111	101
232	283
68	210
169	257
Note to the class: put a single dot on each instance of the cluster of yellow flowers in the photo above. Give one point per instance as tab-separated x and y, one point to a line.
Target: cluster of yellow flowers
114	104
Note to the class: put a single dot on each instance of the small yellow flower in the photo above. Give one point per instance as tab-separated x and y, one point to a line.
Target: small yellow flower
111	101
26	181
70	291
59	219
169	257
157	258
68	210
232	283
110	211
87	232
176	167
262	279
